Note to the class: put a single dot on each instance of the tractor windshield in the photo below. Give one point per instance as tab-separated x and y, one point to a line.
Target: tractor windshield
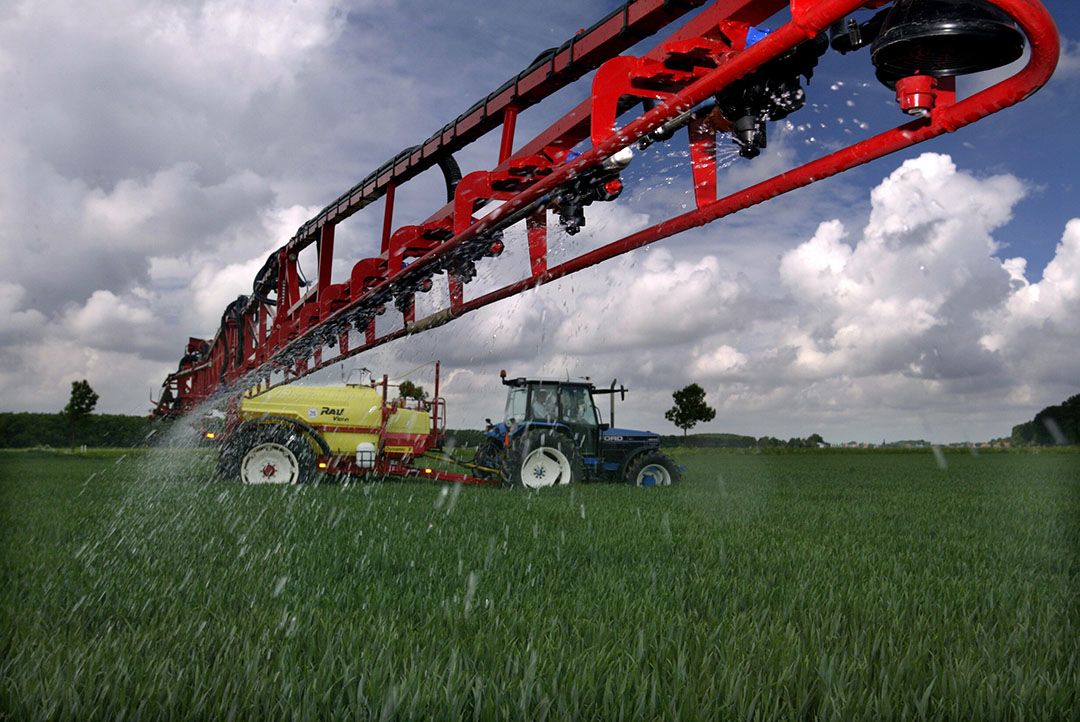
515	405
579	415
577	406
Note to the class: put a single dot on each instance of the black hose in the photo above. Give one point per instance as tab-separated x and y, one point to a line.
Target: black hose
543	57
451	174
268	275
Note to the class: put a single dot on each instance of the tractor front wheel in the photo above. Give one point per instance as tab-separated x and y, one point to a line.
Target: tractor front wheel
277	455
542	458
652	469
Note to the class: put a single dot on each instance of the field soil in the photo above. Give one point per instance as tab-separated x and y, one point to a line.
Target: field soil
816	585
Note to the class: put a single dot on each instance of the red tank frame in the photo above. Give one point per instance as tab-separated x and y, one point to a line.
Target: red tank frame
277	334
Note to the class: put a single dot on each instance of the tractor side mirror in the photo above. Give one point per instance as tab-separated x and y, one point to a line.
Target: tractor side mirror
605	427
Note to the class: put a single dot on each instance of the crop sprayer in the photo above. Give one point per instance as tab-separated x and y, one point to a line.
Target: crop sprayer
722	73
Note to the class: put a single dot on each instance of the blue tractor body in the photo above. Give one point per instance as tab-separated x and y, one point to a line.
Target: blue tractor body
561	417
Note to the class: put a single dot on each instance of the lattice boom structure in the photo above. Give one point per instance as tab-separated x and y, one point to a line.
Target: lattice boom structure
720	73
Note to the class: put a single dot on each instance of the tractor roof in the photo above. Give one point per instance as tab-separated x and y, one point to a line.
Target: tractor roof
522	381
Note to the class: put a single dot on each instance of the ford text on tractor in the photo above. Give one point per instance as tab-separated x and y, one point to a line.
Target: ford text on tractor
552	434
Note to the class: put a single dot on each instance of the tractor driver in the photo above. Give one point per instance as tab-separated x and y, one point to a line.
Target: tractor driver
543	404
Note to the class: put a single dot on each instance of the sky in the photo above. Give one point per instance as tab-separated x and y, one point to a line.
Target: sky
154	157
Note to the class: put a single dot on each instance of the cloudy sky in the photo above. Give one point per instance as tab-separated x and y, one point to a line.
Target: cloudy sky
154	154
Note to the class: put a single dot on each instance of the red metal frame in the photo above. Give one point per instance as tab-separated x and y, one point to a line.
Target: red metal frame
261	345
345	465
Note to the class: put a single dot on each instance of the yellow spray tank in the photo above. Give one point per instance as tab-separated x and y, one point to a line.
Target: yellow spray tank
345	417
290	433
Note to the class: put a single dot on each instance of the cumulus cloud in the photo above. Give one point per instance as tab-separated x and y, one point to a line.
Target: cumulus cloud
128	324
1053	299
1037	327
140	167
651	302
16	323
903	297
720	362
1069	60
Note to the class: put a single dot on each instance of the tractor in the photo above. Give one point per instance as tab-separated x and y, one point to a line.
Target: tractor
552	435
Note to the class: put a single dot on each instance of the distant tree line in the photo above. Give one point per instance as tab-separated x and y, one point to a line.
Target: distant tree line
26	430
1054	425
461	438
710	441
738	441
813	441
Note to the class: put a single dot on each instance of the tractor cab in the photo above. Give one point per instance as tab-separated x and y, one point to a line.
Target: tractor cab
552	433
564	405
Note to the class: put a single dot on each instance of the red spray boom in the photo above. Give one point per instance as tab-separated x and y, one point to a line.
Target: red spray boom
720	73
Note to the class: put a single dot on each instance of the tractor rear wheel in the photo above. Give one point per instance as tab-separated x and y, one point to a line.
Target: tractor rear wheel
542	458
652	469
277	455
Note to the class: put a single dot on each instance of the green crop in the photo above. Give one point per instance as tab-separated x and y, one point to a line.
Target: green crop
824	585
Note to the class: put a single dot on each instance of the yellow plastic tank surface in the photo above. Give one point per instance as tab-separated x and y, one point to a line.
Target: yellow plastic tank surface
343	415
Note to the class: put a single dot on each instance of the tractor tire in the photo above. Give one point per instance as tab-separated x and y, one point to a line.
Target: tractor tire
542	458
276	455
652	469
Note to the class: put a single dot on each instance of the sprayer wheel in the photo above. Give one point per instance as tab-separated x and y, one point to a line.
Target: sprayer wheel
277	455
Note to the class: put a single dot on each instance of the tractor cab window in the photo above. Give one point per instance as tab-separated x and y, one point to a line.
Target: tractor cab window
545	405
577	406
515	405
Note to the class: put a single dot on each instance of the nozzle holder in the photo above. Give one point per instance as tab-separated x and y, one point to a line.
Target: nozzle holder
919	94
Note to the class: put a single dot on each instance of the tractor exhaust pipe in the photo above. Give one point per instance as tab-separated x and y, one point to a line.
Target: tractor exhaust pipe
611	418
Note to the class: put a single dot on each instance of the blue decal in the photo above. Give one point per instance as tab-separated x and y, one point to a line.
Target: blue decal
753	35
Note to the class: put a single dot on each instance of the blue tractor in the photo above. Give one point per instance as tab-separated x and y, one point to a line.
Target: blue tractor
552	435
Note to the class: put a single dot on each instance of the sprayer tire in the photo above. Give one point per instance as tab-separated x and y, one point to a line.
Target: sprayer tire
276	455
228	464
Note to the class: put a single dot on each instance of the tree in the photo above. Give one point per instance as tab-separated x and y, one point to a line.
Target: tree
689	408
409	390
1023	434
80	405
1058	424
